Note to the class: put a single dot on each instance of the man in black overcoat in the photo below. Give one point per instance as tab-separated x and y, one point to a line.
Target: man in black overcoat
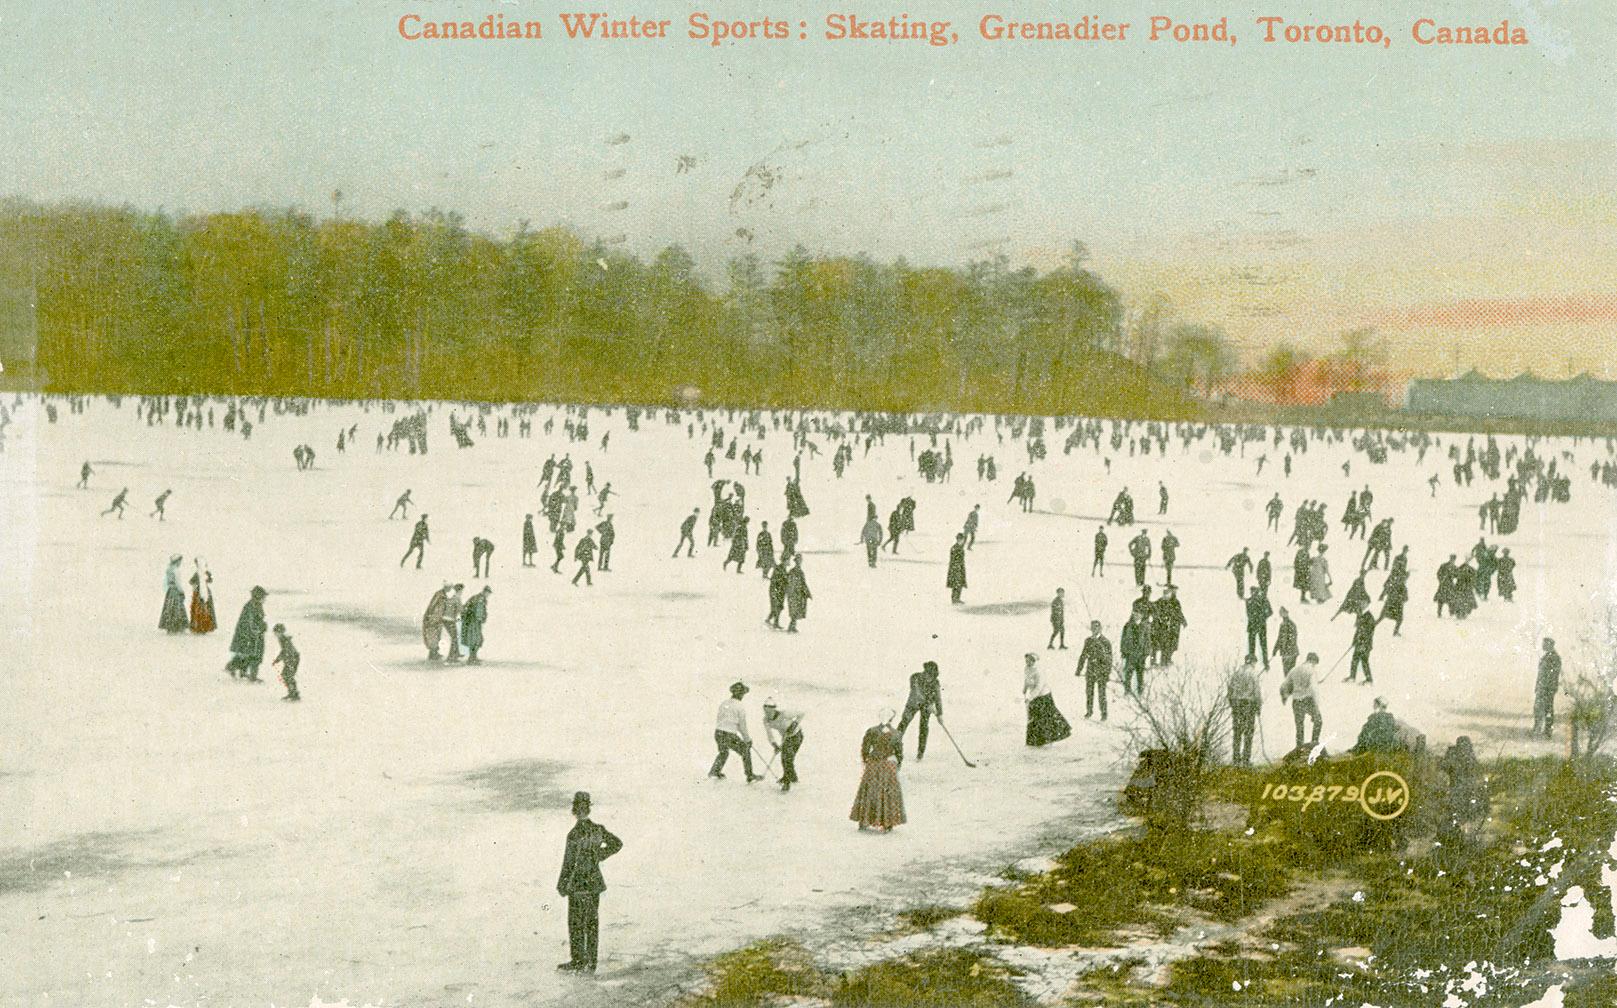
588	844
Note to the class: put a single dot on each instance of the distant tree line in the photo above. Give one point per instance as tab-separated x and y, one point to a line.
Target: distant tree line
279	302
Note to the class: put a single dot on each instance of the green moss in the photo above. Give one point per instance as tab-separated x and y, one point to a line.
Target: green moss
1112	984
752	975
925	918
1595	992
951	978
1139	881
1292	979
1480	900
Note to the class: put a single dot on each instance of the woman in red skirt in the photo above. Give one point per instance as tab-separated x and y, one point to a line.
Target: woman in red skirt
202	615
880	802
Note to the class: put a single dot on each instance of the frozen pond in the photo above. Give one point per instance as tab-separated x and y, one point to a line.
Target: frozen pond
172	836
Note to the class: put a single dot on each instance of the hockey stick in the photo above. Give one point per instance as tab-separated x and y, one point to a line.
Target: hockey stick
950	736
767	766
1334	664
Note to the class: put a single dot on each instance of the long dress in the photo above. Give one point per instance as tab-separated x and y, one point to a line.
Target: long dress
1463	596
766	552
880	801
472	618
432	621
738	547
1319	578
797	594
1299	570
1507	577
173	617
1396	594
203	619
1509	514
1045	723
1357	600
796	506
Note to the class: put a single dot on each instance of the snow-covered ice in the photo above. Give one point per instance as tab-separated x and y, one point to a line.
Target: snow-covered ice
170	834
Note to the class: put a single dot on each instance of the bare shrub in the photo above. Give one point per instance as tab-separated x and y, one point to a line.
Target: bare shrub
1180	731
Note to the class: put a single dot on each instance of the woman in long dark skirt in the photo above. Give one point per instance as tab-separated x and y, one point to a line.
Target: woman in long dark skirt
173	617
880	801
1357	599
1506	579
1396	593
1045	724
1463	597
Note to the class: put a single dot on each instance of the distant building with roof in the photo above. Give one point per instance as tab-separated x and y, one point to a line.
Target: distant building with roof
1524	397
1319	382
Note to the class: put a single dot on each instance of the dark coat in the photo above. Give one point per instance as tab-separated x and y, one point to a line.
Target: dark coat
738	545
957	566
1286	639
1379	734
926	693
1131	643
1258	610
472	618
1364	631
797	593
1396	592
588	844
1507	575
1095	661
1299	569
777	587
248	640
1549	674
766	549
1166	622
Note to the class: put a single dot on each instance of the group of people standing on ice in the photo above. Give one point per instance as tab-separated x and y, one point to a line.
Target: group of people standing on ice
175	618
460	621
879	799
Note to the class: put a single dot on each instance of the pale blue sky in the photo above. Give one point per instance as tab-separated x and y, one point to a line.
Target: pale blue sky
1156	155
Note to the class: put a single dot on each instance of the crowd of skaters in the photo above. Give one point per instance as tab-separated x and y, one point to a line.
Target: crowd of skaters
1147	638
